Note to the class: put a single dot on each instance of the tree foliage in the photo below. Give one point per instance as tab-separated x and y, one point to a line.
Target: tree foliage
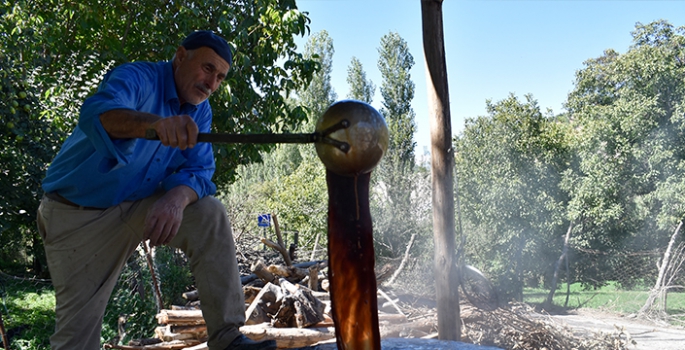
393	207
611	165
27	144
627	111
395	63
319	94
361	88
509	166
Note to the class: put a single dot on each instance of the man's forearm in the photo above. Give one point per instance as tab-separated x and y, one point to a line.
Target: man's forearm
125	123
178	131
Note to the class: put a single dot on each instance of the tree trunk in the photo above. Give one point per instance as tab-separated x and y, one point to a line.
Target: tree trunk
3	334
442	161
155	281
403	262
557	267
659	285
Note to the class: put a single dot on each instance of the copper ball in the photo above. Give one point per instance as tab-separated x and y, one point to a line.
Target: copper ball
367	136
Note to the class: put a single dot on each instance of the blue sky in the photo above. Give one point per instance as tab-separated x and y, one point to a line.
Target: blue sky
493	48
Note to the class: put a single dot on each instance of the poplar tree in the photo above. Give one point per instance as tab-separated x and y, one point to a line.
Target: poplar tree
395	218
361	88
319	94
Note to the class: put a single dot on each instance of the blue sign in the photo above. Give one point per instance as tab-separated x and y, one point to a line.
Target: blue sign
264	220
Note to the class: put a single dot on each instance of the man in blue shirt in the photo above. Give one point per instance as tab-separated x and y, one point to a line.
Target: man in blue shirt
109	189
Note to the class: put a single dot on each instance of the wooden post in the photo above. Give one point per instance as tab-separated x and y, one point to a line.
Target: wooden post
442	160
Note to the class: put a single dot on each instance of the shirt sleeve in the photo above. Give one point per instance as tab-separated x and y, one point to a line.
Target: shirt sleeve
121	88
197	171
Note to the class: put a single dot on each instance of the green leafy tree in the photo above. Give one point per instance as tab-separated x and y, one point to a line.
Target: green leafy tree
509	167
361	88
27	143
627	112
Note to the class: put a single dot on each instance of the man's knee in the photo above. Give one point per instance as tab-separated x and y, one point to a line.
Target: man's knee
208	206
206	218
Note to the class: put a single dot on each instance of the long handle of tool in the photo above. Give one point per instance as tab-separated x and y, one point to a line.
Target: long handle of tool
151	134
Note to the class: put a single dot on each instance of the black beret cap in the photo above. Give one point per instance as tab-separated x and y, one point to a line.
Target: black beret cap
208	38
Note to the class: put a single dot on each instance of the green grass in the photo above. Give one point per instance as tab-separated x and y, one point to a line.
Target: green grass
28	312
609	297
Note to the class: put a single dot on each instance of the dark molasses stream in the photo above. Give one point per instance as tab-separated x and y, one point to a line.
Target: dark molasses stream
351	262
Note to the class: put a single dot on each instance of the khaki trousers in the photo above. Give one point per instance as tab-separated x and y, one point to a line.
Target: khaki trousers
87	249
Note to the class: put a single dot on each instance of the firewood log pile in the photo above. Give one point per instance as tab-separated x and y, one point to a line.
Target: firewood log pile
290	313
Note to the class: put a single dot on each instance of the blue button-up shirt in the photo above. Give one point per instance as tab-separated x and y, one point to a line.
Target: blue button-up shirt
94	170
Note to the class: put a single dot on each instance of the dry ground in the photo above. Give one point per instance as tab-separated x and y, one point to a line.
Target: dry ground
646	334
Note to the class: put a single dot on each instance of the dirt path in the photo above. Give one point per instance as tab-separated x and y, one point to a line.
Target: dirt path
647	335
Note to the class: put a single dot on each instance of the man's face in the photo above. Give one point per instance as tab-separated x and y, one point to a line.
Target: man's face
198	73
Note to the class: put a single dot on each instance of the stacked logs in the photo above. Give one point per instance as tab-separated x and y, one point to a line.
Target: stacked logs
290	313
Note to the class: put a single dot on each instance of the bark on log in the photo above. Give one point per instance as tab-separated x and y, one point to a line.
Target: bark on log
308	309
259	269
202	346
314	278
291	273
285	338
265	303
191	295
180	317
250	293
188	329
172	345
288	337
322	263
191	306
173	332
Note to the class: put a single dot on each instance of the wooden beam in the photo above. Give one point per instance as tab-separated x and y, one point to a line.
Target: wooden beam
442	160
